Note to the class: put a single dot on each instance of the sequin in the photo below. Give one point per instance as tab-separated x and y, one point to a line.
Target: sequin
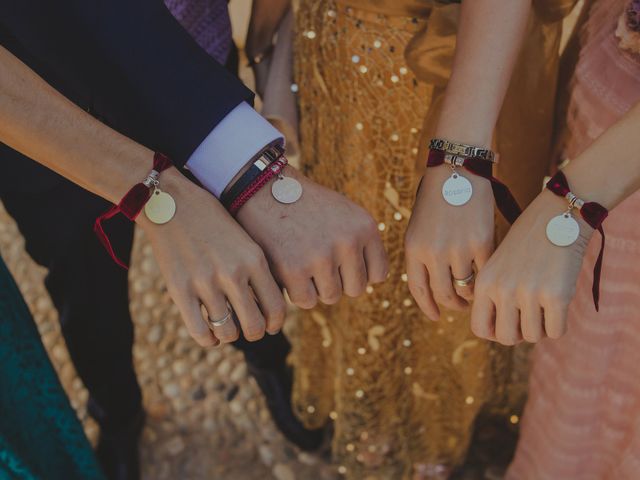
331	13
350	371
311	409
408	370
362	350
359	126
377	43
363	69
403	70
406	342
514	419
381	226
355	59
407	302
395	137
404	277
469	400
294	87
395	78
369	289
333	415
311	34
350	447
385	304
342	469
359	393
397	216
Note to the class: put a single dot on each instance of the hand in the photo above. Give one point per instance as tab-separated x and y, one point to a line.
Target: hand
206	258
525	289
320	246
444	242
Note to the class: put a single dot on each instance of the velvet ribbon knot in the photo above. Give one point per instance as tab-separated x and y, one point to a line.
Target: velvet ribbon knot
594	214
505	201
130	206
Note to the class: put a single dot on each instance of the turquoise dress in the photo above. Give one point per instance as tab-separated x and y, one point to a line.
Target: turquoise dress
40	435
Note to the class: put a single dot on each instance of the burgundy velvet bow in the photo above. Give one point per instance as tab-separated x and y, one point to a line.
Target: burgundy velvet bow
131	205
594	214
505	201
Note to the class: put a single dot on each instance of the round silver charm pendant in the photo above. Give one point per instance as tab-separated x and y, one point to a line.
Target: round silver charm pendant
286	190
563	230
160	208
457	190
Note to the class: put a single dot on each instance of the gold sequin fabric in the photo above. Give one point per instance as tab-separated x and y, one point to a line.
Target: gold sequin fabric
403	391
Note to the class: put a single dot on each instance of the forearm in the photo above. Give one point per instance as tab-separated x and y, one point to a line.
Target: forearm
42	124
609	170
489	38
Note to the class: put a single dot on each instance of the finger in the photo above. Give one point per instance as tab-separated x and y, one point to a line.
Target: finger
189	308
483	315
461	270
555	319
270	300
481	257
353	272
507	323
217	309
531	322
249	315
418	280
302	292
442	286
328	283
377	263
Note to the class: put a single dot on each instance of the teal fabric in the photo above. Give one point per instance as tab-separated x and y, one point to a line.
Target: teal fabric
40	435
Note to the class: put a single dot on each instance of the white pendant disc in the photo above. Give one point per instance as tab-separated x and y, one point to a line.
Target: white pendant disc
457	190
286	190
160	208
563	230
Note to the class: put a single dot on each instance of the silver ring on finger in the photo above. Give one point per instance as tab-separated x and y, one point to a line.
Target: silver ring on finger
220	322
464	282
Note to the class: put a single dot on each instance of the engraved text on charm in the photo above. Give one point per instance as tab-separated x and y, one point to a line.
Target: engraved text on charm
160	208
457	190
286	190
563	230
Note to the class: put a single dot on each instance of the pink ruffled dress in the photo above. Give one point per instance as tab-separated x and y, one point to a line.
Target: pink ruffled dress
582	420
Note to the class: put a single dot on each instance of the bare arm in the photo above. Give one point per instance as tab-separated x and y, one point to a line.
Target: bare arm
530	282
444	241
206	257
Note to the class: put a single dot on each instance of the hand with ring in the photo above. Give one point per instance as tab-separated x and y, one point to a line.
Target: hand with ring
445	243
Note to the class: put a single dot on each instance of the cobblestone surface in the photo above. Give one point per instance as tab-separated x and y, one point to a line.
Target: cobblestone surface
206	417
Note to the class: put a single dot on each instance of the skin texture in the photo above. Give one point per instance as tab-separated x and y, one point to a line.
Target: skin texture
526	287
204	255
320	247
444	241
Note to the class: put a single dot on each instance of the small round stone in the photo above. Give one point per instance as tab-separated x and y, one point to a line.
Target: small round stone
363	69
359	393
407	302
333	415
377	43
369	289
395	78
404	70
404	277
294	87
362	350
350	371
397	216
408	370
350	447
342	470
355	59
311	409
514	419
311	34
406	343
469	400
385	304
381	226
359	126
395	137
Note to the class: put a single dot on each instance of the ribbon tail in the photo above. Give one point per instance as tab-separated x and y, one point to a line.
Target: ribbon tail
102	236
505	201
597	271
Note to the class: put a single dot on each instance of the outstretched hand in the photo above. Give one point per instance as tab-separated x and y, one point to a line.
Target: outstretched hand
320	247
444	242
525	288
207	259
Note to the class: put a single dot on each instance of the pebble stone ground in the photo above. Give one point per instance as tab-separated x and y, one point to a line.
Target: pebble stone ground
206	417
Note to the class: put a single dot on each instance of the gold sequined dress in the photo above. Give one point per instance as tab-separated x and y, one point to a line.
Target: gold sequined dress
402	391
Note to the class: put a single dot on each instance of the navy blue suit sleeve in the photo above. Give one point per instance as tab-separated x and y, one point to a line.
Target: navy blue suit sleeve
135	58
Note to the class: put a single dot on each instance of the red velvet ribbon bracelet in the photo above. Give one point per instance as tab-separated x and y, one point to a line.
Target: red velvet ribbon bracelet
505	201
267	174
130	206
594	214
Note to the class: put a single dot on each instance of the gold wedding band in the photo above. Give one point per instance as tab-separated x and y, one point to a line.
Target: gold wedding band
464	282
221	321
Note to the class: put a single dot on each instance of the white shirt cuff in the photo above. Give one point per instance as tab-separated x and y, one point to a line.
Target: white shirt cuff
229	147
